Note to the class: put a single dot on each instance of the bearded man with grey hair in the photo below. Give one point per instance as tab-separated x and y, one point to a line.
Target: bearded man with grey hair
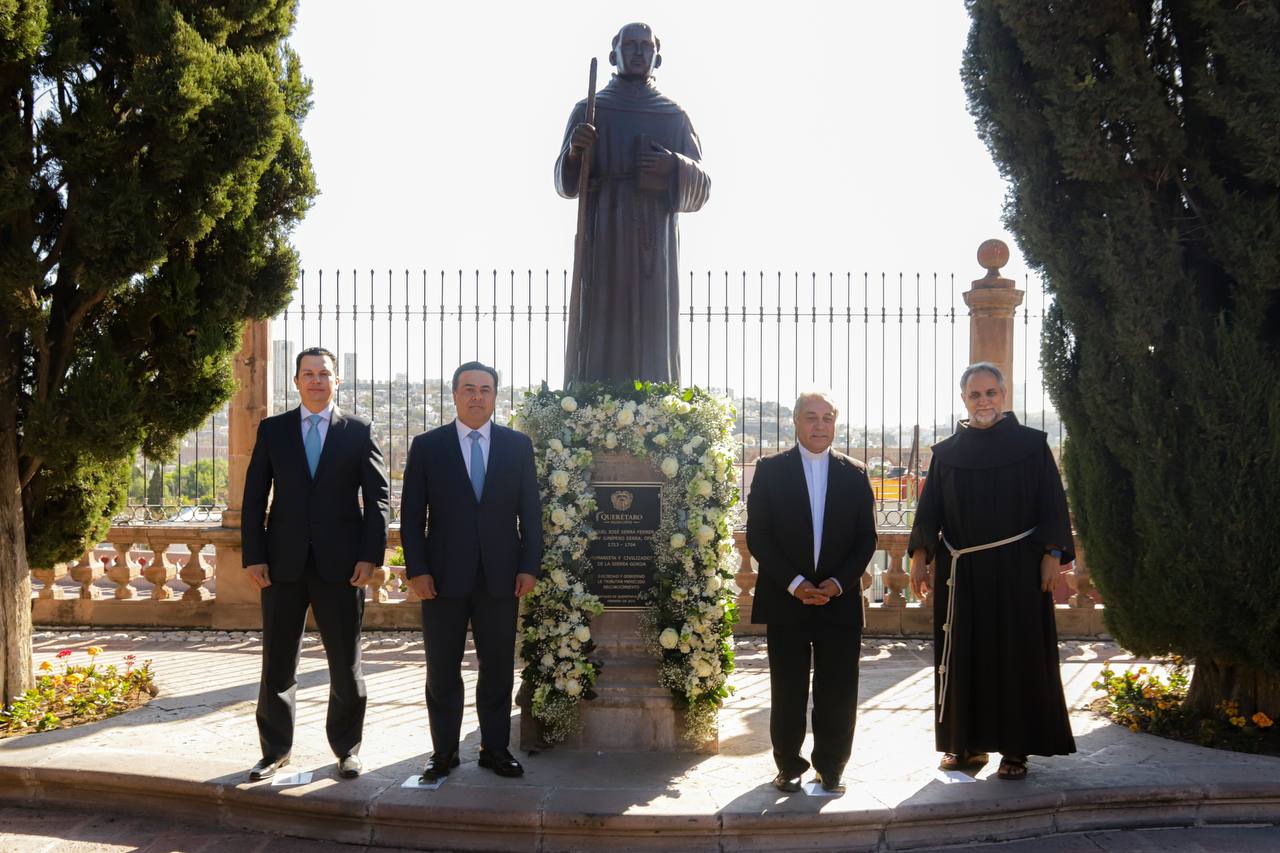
993	520
811	527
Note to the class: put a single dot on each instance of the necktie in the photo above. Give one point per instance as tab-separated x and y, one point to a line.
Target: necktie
312	444
477	464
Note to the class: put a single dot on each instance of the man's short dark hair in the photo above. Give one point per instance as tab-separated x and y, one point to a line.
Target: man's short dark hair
297	362
475	365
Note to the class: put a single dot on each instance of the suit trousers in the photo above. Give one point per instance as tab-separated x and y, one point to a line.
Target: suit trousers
338	608
444	632
833	651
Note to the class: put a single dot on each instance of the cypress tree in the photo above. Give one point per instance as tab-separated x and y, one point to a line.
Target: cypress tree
1141	143
151	168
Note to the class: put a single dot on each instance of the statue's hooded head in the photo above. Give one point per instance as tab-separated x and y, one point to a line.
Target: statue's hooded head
636	52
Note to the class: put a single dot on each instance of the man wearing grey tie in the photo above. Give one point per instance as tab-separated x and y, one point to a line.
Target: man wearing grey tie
471	523
315	548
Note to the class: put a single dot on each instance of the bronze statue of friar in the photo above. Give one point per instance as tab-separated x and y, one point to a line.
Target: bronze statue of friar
645	168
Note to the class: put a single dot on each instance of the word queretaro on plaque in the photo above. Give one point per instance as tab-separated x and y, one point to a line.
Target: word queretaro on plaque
627	516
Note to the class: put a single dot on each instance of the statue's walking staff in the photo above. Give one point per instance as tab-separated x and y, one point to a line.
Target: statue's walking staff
580	239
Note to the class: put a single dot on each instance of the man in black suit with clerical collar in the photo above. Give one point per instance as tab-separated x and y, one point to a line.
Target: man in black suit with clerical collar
811	528
471	523
317	547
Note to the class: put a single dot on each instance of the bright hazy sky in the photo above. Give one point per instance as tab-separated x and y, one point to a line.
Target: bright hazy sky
835	133
836	136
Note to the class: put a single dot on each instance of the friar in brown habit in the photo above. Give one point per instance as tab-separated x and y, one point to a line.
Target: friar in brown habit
993	513
645	169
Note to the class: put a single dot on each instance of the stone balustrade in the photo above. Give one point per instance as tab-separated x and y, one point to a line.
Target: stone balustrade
167	576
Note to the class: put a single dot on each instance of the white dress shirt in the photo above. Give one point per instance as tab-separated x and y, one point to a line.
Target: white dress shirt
816	467
464	443
323	424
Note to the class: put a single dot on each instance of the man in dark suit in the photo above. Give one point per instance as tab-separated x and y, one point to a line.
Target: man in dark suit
317	547
811	527
471	523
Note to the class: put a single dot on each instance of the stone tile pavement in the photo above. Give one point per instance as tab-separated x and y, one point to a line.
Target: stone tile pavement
184	757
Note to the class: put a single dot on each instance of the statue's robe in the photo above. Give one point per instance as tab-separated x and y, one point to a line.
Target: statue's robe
624	314
1003	690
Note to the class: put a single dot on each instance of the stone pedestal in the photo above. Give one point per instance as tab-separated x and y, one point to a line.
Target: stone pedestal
631	711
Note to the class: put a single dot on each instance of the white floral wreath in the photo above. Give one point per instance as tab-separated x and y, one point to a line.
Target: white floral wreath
687	434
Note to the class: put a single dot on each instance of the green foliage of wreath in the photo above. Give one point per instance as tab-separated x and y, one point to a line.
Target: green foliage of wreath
691	609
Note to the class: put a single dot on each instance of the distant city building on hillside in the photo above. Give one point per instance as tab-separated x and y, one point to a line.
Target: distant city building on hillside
283	354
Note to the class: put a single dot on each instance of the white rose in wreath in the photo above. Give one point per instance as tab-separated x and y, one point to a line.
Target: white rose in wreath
559	481
548	661
668	638
677	540
702	488
569	404
713	584
610	440
705	534
701	667
670	467
556	444
582	633
626	417
573	687
559	517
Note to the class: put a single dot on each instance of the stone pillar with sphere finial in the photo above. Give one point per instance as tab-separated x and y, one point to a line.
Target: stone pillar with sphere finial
993	301
237	602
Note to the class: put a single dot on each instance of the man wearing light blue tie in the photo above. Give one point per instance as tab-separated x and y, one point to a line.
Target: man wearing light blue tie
315	548
471	523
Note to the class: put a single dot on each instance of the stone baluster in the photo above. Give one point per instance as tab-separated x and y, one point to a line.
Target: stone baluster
895	577
160	570
1080	583
378	585
46	577
122	571
746	576
195	572
82	573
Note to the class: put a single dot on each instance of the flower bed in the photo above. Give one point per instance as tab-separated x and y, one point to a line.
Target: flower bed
1146	702
80	693
687	435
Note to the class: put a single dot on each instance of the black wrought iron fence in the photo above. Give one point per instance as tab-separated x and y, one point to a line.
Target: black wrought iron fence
888	346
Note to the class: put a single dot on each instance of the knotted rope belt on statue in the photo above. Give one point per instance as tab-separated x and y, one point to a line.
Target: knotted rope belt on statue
944	670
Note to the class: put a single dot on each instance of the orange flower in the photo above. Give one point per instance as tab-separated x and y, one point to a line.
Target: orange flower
1239	722
93	651
45	666
1262	721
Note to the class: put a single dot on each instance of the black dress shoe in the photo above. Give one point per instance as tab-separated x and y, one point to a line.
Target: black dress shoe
500	761
349	766
438	767
266	768
830	783
786	784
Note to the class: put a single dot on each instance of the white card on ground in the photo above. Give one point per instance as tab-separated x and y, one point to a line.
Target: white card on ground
951	777
814	789
301	778
415	781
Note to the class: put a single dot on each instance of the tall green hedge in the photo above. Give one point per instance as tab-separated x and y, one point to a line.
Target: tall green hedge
1141	143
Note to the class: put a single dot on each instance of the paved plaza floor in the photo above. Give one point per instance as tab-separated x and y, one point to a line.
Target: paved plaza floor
185	757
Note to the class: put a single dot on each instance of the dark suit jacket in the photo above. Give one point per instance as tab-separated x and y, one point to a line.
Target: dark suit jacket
450	535
780	537
322	513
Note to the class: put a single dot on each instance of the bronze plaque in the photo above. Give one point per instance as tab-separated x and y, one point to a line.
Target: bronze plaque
627	516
